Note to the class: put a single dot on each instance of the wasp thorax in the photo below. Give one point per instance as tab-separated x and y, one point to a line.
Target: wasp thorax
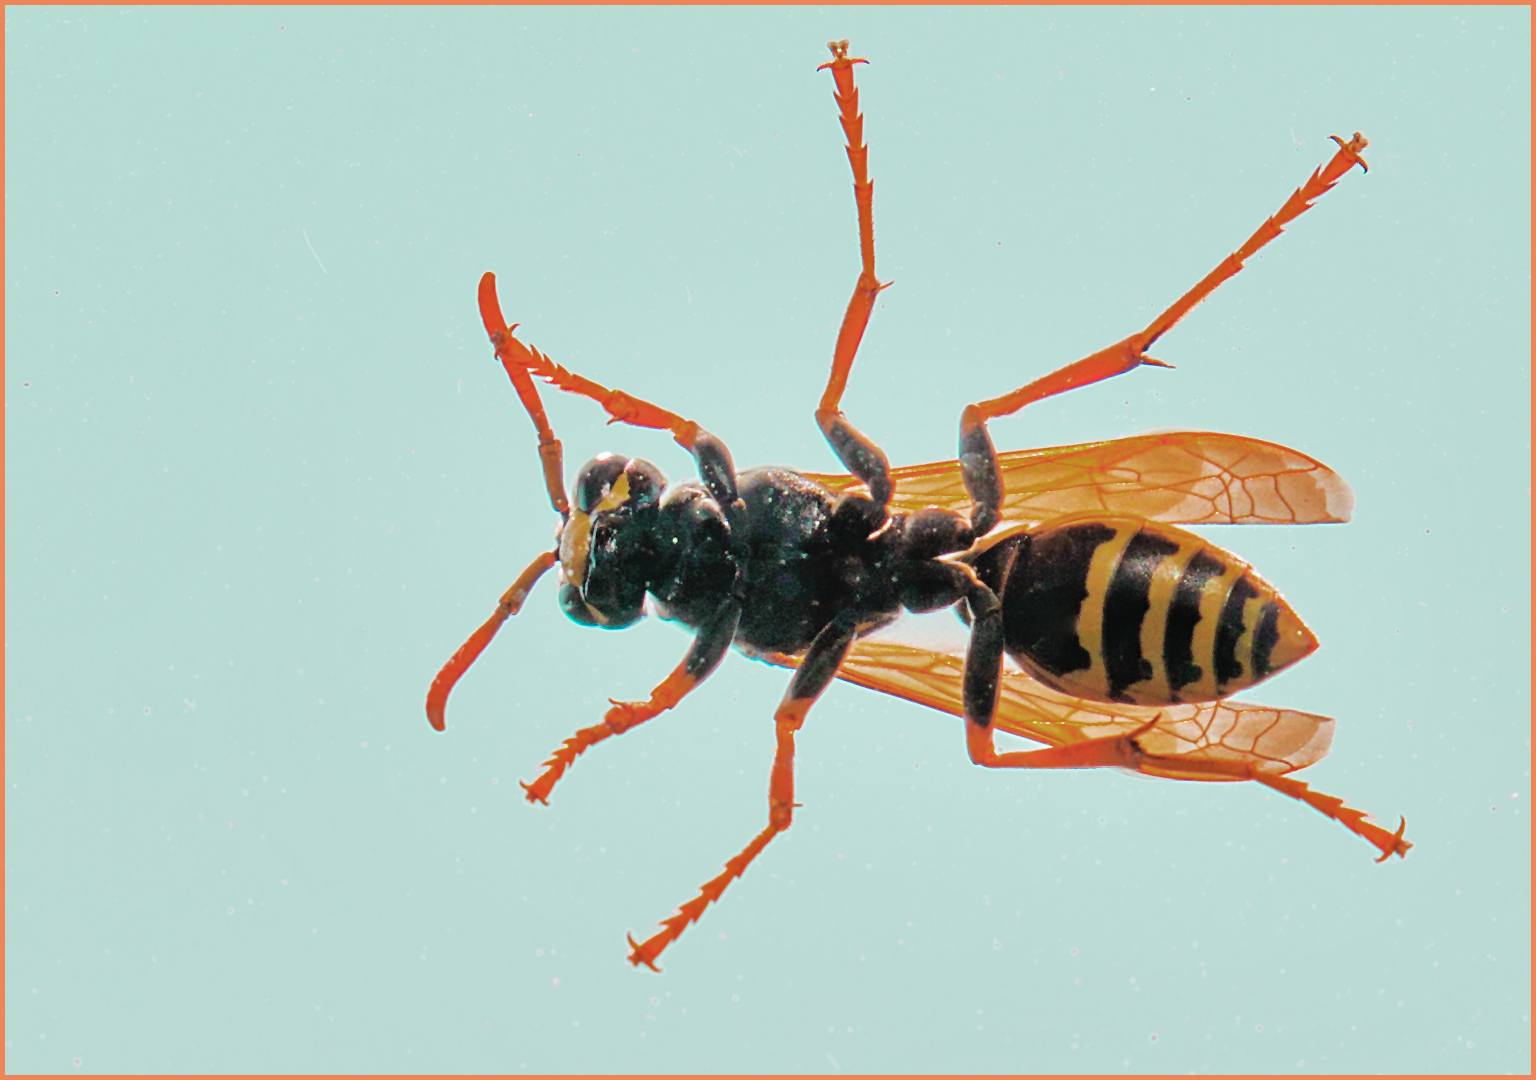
598	544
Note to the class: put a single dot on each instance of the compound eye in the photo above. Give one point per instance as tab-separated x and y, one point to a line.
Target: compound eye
574	606
596	480
645	483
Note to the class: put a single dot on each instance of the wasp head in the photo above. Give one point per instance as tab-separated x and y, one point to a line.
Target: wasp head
604	544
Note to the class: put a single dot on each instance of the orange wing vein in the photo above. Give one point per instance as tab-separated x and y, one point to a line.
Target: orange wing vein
1180	477
1237	733
1222	740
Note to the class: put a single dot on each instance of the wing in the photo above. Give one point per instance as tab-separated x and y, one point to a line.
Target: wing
1181	477
1270	741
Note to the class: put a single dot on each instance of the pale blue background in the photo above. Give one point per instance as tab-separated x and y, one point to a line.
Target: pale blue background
263	476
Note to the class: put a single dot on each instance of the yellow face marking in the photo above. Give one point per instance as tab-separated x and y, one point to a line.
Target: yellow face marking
575	542
1090	617
1154	627
576	538
1203	645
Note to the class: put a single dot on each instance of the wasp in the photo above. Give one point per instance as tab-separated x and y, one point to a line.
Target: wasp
1093	624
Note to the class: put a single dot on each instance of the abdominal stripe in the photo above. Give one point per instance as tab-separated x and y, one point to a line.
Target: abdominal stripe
1183	616
1127	604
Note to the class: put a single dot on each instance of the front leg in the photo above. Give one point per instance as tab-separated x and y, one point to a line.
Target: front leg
718	474
521	360
714	637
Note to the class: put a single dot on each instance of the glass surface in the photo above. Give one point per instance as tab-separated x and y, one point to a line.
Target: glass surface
263	476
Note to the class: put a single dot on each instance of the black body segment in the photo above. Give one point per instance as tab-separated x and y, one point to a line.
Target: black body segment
1232	628
716	470
1128	610
714	638
789	560
859	455
980	472
1266	635
1183	616
822	658
1127	602
1102	607
984	657
1045	593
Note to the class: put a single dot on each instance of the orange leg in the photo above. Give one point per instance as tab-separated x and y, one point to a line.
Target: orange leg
1119	751
709	647
815	672
511	602
1131	352
858	454
1387	843
619	719
981	475
511	353
781	804
520	360
550	454
1123	752
1301	200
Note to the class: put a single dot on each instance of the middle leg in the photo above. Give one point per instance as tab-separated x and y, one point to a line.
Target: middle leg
816	671
859	455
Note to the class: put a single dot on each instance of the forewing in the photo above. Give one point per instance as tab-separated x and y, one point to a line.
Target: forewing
1181	477
1234	733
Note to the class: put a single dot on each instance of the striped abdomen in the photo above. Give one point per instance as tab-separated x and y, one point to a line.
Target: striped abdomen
1129	610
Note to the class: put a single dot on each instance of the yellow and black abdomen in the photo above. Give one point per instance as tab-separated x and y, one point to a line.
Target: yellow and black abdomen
1127	610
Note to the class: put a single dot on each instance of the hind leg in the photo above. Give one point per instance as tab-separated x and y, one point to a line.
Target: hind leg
978	458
